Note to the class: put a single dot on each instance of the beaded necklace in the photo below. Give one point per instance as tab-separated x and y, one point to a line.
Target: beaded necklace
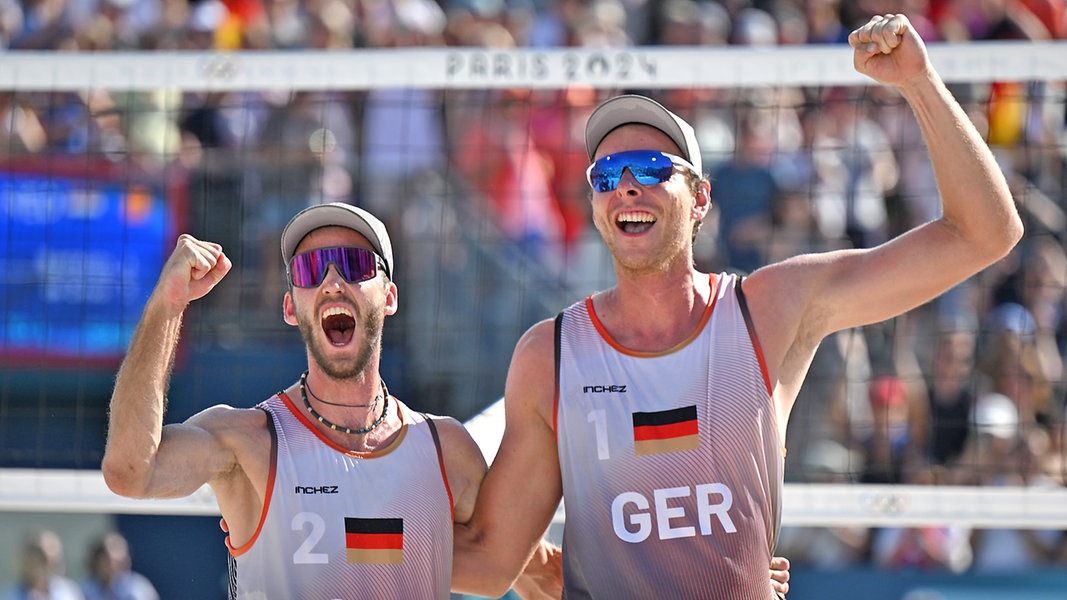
312	393
363	430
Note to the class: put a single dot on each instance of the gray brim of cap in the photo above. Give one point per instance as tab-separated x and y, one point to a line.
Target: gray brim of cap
337	214
632	108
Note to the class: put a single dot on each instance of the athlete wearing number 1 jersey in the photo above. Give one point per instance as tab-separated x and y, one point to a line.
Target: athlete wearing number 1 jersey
671	461
665	434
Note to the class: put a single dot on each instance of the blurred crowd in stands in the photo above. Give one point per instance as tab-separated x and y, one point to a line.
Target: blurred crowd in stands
43	574
966	390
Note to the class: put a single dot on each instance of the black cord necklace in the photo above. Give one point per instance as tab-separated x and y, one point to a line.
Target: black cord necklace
316	396
385	410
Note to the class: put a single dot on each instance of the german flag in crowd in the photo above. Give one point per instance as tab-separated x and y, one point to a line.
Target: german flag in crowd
666	431
374	541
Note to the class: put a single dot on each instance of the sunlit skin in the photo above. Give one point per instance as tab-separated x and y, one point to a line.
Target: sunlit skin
664	244
304	307
231	448
794	304
653	261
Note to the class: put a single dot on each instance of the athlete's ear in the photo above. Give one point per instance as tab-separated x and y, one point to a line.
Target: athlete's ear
391	299
702	201
288	310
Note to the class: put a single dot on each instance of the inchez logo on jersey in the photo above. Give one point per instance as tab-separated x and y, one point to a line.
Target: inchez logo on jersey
666	431
604	389
316	489
374	541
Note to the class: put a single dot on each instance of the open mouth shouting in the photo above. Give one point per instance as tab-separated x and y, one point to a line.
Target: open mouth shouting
634	221
339	325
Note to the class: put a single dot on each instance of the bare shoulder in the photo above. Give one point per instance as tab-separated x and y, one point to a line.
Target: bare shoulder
465	465
455	439
777	291
787	304
536	347
225	420
241	436
529	393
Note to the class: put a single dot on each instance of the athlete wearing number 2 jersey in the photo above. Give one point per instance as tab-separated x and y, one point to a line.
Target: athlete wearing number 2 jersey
319	537
332	488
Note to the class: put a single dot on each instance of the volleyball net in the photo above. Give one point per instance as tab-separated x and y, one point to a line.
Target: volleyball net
952	413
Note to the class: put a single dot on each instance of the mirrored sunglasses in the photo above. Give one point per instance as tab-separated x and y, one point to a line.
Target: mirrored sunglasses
307	269
648	167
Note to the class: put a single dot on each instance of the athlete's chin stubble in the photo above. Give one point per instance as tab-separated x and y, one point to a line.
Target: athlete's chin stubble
369	342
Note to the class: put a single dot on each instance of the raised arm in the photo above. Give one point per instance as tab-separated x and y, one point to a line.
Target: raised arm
979	223
519	495
797	302
143	458
977	206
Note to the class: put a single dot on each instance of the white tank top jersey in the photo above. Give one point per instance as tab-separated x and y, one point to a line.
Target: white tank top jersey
338	524
671	461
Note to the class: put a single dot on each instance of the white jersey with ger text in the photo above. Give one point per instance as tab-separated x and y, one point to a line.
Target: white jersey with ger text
671	461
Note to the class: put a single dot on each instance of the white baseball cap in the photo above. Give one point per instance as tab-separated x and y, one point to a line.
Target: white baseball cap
338	214
997	415
633	108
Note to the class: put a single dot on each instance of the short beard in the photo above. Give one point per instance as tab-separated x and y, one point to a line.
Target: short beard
347	369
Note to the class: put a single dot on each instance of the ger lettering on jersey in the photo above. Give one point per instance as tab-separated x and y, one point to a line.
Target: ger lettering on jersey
671	461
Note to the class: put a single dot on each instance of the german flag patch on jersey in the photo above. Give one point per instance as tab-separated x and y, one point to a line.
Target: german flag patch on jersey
666	431
374	541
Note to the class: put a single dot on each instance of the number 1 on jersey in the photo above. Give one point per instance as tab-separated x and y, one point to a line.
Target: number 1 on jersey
599	419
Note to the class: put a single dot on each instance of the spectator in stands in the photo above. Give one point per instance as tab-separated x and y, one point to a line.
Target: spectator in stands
748	180
402	149
834	547
305	150
556	23
555	128
915	194
10	21
855	170
289	23
41	570
114	24
825	23
795	229
21	131
950	389
110	572
1025	119
1039	286
890	445
754	27
1001	453
511	178
792	23
45	25
820	439
171	31
606	25
1010	359
693	23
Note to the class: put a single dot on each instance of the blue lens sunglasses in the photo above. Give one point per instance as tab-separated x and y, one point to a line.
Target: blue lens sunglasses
648	167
